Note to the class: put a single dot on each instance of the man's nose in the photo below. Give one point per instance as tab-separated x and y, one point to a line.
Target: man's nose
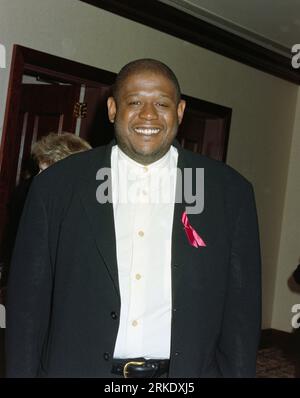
148	112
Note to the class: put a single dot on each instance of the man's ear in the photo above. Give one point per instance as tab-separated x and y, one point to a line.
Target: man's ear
112	108
180	110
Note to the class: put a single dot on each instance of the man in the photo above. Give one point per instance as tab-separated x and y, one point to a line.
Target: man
138	285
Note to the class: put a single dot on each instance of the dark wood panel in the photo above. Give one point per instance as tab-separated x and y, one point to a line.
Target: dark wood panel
96	127
205	128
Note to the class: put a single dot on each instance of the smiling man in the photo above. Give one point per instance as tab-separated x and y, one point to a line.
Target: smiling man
146	110
136	288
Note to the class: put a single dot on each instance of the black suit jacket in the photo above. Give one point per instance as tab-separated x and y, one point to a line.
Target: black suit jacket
63	294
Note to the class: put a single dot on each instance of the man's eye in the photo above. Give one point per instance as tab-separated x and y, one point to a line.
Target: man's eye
161	104
135	103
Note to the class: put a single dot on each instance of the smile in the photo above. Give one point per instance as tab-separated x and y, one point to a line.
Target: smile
147	131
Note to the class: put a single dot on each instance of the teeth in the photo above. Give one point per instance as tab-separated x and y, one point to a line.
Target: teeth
146	131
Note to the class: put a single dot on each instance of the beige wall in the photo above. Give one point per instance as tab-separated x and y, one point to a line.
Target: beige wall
289	249
263	106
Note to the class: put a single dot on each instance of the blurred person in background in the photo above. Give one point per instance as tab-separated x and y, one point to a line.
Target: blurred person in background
53	147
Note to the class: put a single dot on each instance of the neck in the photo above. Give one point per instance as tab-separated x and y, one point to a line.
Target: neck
143	159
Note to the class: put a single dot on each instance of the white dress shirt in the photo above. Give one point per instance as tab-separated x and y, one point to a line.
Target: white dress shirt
143	202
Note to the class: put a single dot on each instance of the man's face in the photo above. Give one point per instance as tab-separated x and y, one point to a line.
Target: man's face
146	115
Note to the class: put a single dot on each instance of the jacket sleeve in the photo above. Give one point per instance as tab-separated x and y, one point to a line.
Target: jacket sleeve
29	291
241	323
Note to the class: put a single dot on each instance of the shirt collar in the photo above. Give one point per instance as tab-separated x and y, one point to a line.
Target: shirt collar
140	169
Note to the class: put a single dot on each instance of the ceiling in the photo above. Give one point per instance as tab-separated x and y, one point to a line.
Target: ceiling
274	24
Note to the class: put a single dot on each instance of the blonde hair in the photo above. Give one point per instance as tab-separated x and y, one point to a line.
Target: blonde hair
54	147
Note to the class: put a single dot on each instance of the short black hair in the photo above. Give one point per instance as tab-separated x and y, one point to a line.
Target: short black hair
145	64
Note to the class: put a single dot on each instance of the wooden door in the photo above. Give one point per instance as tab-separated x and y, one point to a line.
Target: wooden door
43	108
205	128
95	126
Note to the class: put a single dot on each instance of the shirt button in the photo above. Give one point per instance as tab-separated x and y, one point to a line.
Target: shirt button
145	169
134	323
106	356
113	315
138	277
141	233
144	192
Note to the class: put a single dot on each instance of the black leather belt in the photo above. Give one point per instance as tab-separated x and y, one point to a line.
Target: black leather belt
140	367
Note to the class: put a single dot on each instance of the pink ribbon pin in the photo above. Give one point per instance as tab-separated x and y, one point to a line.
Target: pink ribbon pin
194	239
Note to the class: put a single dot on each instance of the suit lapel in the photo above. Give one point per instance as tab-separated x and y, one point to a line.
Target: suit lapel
178	253
101	215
